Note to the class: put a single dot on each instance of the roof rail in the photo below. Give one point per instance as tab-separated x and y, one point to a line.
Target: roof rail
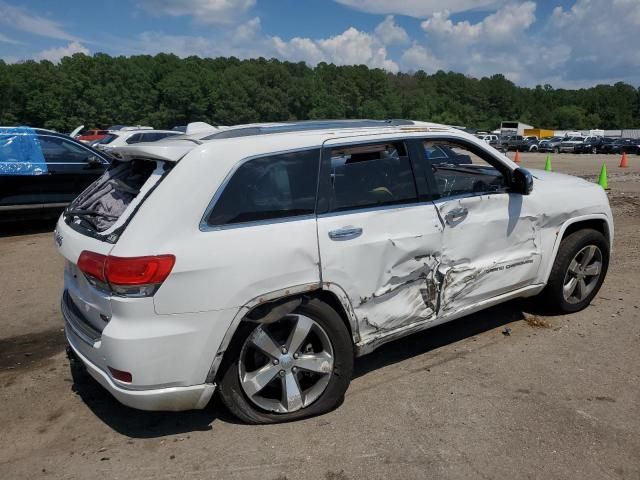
306	125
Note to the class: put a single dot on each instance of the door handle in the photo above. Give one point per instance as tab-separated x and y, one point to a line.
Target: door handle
456	215
345	233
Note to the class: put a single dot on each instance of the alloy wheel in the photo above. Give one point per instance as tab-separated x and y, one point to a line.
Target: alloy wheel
286	365
582	275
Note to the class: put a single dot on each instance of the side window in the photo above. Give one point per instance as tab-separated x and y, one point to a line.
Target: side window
267	188
135	138
370	175
20	154
462	171
59	150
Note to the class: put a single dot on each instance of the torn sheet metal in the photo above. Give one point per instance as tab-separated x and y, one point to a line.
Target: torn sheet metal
415	266
495	249
410	293
390	272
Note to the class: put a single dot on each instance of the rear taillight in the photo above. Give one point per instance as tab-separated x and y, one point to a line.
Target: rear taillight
127	276
92	265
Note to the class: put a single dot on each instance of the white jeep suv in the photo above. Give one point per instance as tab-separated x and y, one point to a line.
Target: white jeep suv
262	265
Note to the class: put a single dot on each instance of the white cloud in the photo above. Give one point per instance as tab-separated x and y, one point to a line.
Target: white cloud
202	11
499	43
418	57
23	20
5	39
602	37
389	32
420	8
504	25
247	31
55	54
352	47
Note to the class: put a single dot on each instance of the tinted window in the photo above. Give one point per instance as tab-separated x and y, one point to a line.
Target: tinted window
135	138
152	137
463	171
268	188
59	150
369	176
106	140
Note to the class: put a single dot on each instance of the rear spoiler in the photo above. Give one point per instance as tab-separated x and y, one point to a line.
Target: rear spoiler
172	152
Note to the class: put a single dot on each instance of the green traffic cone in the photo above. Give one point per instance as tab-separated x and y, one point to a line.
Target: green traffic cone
547	164
602	181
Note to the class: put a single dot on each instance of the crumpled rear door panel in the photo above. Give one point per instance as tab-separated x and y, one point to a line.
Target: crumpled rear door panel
389	272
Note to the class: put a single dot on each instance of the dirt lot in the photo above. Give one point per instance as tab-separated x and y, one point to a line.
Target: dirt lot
558	398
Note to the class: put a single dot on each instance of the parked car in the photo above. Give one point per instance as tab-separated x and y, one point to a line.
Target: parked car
490	139
522	143
620	145
126	136
89	136
568	144
261	265
42	171
504	141
551	145
591	145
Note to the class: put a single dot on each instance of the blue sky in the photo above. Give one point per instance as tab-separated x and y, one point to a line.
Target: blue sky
567	43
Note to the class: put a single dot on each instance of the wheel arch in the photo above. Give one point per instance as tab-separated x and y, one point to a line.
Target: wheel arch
598	222
285	301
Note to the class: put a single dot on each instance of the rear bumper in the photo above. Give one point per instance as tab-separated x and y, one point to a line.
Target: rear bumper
166	399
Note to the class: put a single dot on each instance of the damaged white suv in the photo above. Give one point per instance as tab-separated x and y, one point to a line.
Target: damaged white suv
261	265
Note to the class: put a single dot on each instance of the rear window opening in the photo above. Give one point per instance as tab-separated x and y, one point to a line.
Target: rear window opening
104	209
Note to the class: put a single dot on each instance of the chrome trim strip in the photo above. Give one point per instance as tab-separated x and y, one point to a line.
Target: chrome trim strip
32	206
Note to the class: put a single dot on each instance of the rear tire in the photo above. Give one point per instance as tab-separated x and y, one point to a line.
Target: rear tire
573	283
239	365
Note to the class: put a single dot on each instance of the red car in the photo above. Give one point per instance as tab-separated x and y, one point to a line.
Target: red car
91	135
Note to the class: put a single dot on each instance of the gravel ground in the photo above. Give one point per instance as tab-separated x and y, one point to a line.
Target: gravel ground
557	398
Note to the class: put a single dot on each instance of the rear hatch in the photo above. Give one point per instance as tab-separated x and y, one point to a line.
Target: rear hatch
94	222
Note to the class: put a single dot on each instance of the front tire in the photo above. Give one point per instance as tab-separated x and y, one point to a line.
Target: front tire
579	269
297	367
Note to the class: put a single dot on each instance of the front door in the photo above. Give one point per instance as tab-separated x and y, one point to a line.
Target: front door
71	168
490	241
378	240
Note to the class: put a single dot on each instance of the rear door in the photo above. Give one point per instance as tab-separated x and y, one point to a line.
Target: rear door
378	233
71	168
490	241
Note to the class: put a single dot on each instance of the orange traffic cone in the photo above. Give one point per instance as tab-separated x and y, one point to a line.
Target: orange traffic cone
623	160
517	158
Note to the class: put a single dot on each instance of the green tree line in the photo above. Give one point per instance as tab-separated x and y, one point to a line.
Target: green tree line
165	90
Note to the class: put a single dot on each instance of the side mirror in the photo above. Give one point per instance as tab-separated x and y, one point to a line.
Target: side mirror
521	181
94	161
